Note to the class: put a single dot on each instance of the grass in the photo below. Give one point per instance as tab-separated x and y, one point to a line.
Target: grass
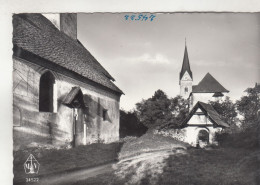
53	160
233	163
217	166
229	166
147	143
222	165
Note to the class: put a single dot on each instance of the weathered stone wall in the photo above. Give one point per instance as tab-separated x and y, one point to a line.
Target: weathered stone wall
178	134
32	126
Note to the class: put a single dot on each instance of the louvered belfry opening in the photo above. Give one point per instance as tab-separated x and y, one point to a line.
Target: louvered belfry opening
47	81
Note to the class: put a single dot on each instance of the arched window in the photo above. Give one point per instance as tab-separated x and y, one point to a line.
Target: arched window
47	82
186	89
203	135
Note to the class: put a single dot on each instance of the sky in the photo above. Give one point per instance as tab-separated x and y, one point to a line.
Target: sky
144	56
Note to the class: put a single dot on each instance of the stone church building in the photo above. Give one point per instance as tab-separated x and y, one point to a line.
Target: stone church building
203	120
62	96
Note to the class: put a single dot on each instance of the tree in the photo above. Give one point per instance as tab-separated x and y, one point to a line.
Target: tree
130	124
160	110
180	110
249	105
226	109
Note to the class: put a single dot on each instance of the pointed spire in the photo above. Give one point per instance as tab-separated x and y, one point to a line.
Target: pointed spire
186	63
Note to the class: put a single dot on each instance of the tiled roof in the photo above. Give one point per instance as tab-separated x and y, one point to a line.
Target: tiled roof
208	85
72	95
36	34
185	64
208	110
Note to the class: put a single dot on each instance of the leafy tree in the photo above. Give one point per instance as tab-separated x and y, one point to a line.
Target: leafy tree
226	109
249	105
160	110
180	109
130	125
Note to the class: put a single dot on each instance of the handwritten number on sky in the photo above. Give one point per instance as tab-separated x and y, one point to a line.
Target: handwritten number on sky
140	17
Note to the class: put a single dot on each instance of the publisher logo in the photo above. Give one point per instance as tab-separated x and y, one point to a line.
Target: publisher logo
31	165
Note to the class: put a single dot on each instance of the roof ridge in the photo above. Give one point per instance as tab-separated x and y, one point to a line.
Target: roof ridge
208	84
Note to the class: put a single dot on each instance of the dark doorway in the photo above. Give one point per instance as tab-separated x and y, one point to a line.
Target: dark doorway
203	137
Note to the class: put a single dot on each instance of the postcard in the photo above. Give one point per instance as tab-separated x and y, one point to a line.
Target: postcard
135	97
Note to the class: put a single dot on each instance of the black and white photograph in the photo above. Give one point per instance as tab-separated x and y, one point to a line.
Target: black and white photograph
136	98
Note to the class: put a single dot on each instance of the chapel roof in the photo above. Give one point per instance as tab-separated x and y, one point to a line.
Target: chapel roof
74	98
208	85
185	64
37	35
208	110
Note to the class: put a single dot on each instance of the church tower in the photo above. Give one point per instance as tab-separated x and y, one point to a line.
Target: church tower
185	76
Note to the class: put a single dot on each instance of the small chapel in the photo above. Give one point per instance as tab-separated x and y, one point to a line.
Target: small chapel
62	96
203	120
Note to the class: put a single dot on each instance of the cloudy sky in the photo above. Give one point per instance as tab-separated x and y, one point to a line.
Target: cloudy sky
144	56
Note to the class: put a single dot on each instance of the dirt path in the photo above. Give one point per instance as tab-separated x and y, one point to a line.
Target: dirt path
146	163
77	175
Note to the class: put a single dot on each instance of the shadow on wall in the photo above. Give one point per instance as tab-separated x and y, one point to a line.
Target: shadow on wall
38	131
95	108
130	125
32	127
95	117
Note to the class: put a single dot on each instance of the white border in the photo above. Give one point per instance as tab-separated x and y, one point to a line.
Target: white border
8	7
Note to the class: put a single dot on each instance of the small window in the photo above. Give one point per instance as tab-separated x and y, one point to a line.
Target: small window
104	114
186	89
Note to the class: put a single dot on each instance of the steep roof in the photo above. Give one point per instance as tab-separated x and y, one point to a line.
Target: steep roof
208	110
185	64
208	85
36	34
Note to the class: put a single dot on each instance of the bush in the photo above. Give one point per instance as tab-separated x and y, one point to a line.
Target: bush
130	125
247	138
159	110
226	109
249	105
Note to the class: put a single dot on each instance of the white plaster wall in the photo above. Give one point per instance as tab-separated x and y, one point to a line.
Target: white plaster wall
193	131
97	129
198	120
204	97
191	135
35	126
186	81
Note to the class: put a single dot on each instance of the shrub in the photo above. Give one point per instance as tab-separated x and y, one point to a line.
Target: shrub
246	138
